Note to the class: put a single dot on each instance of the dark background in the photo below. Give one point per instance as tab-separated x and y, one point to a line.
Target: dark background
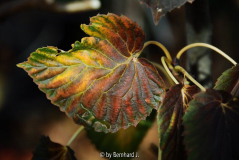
26	114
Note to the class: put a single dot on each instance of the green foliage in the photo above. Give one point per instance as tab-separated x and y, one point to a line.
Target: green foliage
229	81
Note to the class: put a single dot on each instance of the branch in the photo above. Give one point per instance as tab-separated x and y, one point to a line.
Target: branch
15	6
79	6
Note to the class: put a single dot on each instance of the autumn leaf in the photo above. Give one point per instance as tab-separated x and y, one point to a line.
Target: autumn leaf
211	127
170	121
229	81
100	76
160	7
47	149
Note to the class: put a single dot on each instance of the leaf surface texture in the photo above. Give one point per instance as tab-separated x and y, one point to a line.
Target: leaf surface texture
101	76
211	127
160	7
170	121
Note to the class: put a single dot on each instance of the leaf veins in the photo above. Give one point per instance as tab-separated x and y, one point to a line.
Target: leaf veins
100	76
170	121
211	127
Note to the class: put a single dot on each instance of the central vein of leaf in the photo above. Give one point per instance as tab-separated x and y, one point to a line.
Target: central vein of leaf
185	96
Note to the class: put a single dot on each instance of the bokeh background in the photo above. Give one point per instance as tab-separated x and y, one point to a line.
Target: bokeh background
26	114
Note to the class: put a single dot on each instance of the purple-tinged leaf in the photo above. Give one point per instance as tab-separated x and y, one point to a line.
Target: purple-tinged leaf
170	121
212	127
160	7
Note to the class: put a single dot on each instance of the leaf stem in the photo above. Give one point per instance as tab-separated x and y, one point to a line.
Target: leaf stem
75	135
159	153
179	68
166	52
164	61
159	67
207	46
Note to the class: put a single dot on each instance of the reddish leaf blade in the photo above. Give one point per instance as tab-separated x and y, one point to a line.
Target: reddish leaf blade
100	76
170	121
160	7
229	81
126	36
47	149
211	127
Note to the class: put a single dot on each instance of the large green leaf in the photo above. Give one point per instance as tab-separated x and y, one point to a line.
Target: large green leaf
123	141
48	150
100	76
170	121
161	7
211	127
229	81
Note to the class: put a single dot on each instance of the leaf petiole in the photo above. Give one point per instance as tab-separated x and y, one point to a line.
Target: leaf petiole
159	67
75	135
159	154
207	46
164	61
179	68
166	52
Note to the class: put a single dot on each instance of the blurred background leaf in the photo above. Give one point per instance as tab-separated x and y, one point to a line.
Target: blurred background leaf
47	149
160	7
124	140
